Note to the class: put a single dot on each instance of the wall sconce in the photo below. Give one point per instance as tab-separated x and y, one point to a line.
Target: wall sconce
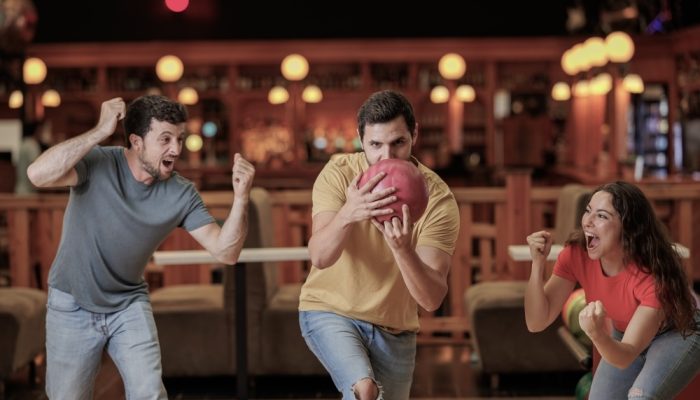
581	88
452	66
16	99
188	96
465	93
33	71
295	67
312	94
633	83
439	94
600	84
561	91
51	98
278	95
169	68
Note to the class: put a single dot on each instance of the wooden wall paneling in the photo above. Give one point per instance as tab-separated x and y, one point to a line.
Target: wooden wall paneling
518	187
20	256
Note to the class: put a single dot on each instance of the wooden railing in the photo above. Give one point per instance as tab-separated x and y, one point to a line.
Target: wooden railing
491	219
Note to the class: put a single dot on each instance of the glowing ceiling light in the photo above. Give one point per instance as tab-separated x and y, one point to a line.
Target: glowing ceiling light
278	95
561	91
33	71
16	99
51	98
295	67
312	94
465	93
169	68
452	66
439	94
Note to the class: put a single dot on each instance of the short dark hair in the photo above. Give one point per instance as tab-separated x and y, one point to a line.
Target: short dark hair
145	108
385	106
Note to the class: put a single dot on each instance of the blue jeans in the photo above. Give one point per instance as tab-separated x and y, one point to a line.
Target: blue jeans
660	372
352	350
76	338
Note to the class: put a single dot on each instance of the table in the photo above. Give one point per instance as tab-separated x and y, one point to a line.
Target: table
180	257
521	252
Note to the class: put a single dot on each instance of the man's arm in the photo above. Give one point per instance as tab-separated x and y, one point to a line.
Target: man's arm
226	242
424	272
330	229
55	167
424	269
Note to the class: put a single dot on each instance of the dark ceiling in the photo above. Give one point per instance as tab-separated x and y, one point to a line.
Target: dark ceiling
141	20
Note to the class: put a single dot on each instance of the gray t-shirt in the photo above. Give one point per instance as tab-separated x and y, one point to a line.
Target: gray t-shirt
112	226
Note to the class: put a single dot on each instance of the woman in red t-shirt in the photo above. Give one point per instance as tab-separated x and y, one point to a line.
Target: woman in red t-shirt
633	277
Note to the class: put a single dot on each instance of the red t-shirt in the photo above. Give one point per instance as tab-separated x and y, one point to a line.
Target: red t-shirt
620	294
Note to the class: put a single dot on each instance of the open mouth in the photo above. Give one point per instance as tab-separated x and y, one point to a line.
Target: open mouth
168	164
591	240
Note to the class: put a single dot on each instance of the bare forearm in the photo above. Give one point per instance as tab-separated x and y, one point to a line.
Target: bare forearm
426	285
52	165
233	232
618	354
326	244
536	303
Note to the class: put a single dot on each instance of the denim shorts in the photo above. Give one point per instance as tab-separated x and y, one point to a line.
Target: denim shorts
76	339
660	372
352	350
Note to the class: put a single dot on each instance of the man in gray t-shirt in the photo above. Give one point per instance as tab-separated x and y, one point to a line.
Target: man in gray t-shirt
123	203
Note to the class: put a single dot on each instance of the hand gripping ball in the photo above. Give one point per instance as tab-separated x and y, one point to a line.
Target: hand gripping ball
410	187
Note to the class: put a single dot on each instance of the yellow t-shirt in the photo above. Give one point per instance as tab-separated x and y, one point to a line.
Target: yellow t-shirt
365	283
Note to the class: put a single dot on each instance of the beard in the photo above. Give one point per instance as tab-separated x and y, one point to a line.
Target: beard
147	166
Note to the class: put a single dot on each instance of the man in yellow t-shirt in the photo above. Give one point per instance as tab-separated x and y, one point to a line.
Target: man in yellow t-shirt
358	309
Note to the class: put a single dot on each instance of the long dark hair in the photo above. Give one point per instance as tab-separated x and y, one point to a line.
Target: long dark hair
646	243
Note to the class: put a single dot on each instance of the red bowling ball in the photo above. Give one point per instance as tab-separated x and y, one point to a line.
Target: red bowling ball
410	187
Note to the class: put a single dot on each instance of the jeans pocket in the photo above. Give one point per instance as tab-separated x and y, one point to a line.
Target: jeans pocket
61	301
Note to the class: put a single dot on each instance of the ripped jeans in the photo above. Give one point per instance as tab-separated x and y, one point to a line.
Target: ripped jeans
660	372
352	350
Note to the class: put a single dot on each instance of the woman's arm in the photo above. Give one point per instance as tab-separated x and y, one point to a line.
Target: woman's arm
642	328
543	302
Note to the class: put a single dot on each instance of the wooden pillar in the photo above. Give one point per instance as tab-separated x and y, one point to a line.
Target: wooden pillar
618	124
296	121
20	257
518	215
455	119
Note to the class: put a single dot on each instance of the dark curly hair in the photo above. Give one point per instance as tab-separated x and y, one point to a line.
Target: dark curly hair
145	108
382	107
646	242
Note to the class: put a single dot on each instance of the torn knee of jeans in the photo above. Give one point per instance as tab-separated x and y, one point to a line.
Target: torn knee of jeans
635	392
380	388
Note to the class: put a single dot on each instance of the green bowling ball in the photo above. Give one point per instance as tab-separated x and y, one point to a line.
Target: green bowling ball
572	307
583	386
